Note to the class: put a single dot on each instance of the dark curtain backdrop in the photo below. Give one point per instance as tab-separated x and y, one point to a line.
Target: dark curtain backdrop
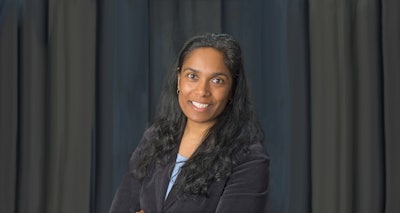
80	81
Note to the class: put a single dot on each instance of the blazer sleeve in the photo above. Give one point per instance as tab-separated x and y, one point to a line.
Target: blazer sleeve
247	188
126	199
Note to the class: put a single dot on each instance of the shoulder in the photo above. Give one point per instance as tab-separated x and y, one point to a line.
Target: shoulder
254	166
247	186
255	152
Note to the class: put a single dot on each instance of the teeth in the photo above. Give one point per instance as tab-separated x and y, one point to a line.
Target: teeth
199	105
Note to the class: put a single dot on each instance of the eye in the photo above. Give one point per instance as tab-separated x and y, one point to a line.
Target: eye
191	76
218	81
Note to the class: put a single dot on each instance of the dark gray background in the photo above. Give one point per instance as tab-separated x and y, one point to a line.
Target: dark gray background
80	81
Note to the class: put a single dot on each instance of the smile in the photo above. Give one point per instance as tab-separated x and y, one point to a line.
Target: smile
200	105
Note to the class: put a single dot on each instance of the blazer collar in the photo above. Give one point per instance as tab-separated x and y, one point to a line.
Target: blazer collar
172	195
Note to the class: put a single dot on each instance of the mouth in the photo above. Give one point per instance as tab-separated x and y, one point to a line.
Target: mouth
200	105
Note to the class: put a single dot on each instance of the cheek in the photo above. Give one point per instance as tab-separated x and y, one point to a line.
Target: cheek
186	87
223	96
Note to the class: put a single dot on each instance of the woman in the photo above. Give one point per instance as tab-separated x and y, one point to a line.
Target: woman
204	152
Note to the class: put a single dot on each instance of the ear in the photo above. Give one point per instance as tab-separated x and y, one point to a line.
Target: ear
230	100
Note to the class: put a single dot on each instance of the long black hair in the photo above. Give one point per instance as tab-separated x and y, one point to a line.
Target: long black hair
226	141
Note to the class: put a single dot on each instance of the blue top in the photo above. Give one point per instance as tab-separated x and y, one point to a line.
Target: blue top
180	161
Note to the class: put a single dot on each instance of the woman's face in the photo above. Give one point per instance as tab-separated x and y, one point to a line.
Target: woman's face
205	83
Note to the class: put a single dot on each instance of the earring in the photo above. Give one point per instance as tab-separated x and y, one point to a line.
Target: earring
177	91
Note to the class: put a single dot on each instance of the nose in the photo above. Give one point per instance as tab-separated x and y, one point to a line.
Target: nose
203	88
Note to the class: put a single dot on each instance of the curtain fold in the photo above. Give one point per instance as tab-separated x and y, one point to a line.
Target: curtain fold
390	36
32	177
280	78
8	105
325	115
349	96
72	49
369	171
123	87
47	91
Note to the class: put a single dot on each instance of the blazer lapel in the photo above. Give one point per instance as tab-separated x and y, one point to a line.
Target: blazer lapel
163	181
172	195
171	198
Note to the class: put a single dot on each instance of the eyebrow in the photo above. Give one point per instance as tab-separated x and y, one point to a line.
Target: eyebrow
214	74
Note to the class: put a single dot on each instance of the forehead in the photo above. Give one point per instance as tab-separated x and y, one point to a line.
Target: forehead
205	59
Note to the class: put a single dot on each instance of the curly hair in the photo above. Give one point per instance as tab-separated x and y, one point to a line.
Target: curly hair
236	128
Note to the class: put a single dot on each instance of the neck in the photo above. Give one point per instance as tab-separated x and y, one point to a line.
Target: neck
192	137
197	129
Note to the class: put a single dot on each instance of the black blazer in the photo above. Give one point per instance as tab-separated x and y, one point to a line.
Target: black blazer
245	190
